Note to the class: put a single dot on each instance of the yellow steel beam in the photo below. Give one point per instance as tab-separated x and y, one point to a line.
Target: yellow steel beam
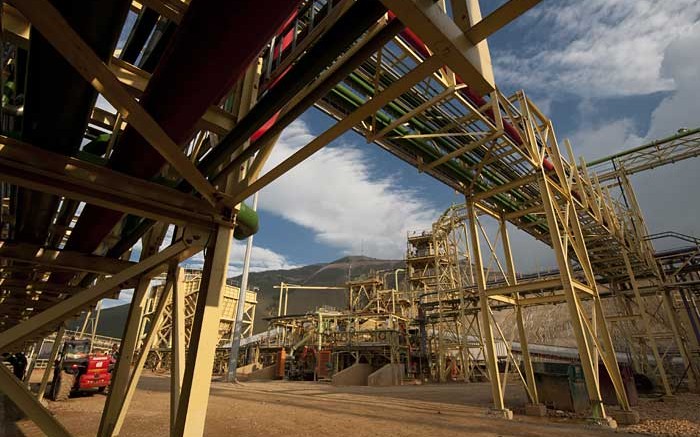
58	312
15	28
17	391
497	19
215	119
32	167
399	87
173	10
60	258
437	30
505	187
461	151
192	408
526	287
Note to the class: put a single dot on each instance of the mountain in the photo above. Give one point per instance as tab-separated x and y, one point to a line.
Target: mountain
334	273
110	324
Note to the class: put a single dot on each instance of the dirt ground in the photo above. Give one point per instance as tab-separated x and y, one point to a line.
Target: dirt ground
282	408
675	417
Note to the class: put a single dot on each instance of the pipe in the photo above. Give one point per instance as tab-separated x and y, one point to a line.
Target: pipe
396	289
384	120
648	145
417	44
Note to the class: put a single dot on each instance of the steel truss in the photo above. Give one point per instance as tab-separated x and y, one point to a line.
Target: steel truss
160	357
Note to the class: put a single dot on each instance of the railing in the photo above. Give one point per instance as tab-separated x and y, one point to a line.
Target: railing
363	338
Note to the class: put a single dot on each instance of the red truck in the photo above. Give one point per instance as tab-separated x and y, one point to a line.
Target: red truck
78	370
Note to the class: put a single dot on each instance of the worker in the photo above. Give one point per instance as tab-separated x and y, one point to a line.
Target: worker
18	362
114	356
22	365
115	351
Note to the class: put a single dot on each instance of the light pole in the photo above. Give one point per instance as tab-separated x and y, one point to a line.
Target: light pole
237	326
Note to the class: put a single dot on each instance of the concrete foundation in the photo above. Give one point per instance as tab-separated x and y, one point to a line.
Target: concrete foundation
502	414
608	422
247	369
625	417
389	375
264	373
356	374
537	410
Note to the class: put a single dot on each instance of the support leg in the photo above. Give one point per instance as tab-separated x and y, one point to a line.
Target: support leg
487	330
680	342
177	343
194	398
30	405
573	304
122	371
522	334
49	363
156	320
647	326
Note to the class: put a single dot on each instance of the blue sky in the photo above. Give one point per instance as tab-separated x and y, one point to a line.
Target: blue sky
611	75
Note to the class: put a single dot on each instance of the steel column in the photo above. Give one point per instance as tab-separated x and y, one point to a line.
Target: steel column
194	398
573	303
140	362
647	326
50	363
680	341
127	350
487	330
513	280
177	341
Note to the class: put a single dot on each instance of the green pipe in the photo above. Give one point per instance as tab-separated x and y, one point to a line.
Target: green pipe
644	146
247	223
364	85
347	95
445	143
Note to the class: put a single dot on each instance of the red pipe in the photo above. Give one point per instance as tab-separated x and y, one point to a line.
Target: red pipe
211	50
419	46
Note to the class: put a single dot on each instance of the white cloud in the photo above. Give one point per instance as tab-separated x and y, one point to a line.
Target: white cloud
125	296
339	195
599	141
598	48
665	194
260	260
681	66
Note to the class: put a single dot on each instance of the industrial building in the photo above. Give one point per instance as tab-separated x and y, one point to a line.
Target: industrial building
119	161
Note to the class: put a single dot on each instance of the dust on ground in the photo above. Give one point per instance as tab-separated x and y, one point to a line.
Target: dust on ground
284	408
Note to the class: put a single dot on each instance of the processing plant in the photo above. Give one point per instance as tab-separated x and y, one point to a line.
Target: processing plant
119	161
